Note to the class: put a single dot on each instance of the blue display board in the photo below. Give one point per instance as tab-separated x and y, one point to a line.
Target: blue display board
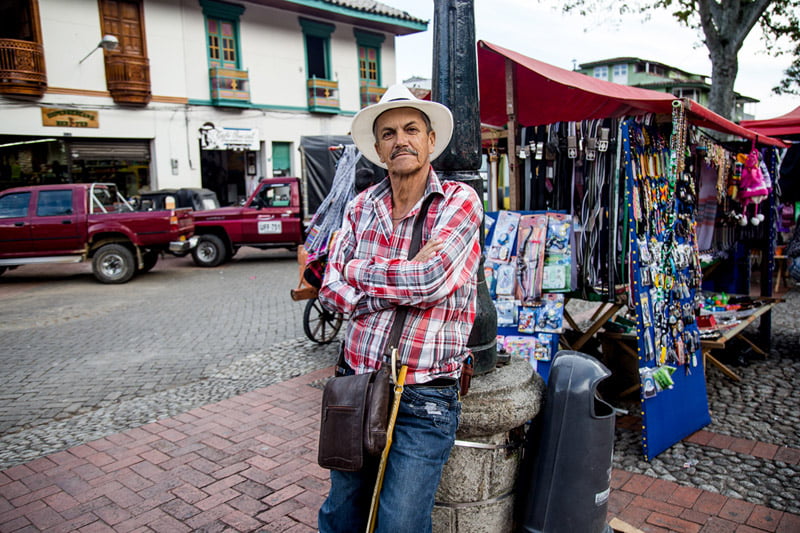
542	364
662	282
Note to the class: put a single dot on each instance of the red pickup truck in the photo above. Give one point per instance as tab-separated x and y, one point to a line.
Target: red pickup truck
271	218
76	222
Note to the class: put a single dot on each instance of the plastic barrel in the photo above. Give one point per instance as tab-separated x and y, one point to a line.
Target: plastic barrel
565	479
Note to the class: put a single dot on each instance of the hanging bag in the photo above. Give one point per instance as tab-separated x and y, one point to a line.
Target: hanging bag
355	408
355	413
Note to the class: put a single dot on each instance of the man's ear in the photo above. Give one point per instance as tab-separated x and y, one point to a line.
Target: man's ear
379	153
432	140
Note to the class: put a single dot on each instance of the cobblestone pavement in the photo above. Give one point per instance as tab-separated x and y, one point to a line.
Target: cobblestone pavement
83	360
71	345
751	449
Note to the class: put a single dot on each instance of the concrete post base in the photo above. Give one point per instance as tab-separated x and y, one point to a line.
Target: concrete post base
476	493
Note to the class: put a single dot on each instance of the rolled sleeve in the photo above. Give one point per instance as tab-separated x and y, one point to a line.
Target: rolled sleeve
415	283
336	294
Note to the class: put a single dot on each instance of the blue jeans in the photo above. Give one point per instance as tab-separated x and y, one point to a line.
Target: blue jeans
423	436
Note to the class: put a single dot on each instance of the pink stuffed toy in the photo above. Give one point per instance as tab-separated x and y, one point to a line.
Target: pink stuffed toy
752	189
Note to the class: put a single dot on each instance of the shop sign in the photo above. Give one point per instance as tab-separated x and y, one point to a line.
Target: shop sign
214	138
70	118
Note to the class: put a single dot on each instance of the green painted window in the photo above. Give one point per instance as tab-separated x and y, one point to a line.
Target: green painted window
222	43
281	159
222	31
368	65
369	57
317	38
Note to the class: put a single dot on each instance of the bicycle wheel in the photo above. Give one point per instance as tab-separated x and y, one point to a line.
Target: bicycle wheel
319	324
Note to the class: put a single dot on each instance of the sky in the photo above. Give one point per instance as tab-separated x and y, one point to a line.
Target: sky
541	31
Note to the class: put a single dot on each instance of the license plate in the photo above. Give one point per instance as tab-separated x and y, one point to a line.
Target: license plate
269	226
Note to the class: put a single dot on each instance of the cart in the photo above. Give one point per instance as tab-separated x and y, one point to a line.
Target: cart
319	324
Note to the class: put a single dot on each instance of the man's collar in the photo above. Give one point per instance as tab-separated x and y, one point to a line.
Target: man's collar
434	185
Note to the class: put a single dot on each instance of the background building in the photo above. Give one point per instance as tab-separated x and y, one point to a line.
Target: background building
660	77
184	93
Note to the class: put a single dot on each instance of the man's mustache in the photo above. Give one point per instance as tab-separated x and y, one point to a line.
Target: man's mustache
399	151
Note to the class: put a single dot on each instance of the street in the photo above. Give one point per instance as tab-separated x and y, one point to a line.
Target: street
84	361
71	346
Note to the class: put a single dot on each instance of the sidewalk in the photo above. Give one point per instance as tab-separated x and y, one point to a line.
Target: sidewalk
248	463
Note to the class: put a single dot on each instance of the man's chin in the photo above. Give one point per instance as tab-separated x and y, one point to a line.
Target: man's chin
402	171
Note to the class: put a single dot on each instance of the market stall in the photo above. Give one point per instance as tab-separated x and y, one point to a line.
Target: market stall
604	202
785	126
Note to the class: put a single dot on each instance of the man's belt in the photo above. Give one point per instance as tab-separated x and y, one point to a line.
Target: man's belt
438	382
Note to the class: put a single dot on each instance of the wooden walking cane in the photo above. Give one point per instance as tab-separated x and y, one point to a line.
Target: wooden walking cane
399	382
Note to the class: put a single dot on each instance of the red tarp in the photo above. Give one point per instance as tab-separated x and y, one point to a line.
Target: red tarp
784	125
547	94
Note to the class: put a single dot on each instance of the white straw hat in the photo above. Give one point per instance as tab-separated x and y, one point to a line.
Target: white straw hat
394	97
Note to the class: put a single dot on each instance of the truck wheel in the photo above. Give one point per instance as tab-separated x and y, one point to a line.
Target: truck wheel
319	324
149	260
113	263
210	251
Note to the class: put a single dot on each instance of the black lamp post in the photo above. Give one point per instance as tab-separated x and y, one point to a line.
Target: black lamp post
455	84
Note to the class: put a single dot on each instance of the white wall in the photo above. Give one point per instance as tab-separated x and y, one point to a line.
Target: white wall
273	53
174	45
70	30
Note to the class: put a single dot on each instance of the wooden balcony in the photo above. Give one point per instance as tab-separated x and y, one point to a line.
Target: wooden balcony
323	95
229	86
22	69
128	78
371	94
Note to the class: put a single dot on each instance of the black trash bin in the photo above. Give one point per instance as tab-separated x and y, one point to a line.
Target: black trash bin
565	479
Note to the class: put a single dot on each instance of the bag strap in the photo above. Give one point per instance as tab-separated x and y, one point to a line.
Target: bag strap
402	310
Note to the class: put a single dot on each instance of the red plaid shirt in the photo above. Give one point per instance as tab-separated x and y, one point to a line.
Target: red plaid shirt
368	275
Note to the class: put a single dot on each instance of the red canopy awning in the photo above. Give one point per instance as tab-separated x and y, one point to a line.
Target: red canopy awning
546	94
784	125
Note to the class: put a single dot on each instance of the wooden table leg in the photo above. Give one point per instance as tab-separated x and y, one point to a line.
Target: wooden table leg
630	390
571	321
755	348
725	370
599	310
596	326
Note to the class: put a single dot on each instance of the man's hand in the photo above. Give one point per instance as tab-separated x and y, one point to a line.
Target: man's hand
429	251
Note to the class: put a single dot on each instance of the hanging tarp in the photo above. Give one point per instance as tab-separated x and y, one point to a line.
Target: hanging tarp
320	165
787	125
320	154
546	94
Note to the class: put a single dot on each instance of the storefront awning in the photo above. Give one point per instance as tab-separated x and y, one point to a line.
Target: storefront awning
783	126
546	94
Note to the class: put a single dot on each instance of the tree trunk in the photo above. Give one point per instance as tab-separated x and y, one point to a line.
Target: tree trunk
725	26
724	68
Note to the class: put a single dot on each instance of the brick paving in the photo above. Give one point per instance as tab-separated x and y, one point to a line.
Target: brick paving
248	463
234	450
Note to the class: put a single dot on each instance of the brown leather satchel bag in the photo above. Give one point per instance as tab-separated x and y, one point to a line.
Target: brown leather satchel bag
355	415
355	409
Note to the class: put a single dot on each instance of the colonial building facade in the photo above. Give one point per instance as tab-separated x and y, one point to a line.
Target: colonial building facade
184	93
657	76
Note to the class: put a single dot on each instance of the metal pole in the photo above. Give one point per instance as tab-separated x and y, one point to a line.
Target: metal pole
455	84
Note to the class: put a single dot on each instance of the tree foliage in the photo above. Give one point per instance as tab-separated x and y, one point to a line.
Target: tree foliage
724	25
